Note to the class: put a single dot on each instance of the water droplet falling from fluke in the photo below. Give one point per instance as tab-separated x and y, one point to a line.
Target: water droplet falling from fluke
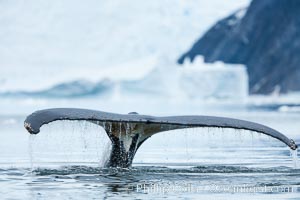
294	154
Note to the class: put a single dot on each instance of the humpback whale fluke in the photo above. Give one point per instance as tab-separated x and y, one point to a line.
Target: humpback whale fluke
128	131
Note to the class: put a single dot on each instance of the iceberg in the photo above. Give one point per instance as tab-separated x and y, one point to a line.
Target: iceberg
198	80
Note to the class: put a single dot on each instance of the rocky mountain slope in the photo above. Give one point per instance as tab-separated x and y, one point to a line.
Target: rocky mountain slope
266	38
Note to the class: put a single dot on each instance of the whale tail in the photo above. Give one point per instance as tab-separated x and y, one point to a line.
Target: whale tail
128	132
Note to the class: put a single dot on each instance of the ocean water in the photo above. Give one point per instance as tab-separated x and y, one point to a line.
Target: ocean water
65	160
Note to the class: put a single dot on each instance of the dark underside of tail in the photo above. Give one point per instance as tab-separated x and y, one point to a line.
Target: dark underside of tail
128	131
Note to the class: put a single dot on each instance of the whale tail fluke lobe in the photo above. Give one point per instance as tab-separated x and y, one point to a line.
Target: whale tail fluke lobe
128	132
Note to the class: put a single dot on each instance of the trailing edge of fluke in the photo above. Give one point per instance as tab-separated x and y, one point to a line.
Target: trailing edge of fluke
128	131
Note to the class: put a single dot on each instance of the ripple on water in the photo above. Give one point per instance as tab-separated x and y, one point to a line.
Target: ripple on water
71	170
80	179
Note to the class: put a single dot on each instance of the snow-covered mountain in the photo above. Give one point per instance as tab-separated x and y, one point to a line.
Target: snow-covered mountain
46	43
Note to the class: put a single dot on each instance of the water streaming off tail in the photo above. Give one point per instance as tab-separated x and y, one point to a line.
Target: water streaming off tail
83	142
30	150
69	143
294	155
202	146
